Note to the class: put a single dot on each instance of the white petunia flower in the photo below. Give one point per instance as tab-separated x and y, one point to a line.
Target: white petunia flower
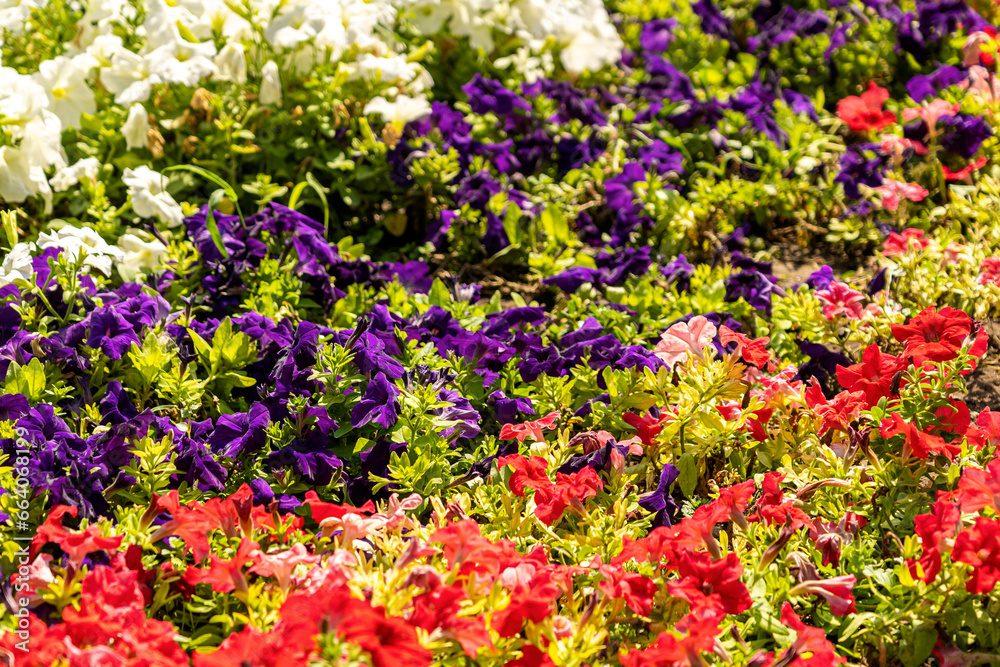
136	127
231	64
149	199
270	87
17	264
70	94
69	176
400	111
82	243
139	256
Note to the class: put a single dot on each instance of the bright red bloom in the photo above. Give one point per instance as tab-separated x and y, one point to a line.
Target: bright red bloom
532	603
531	656
864	113
965	171
390	641
935	335
528	472
936	531
917	442
736	499
988	431
568	491
252	648
464	543
808	640
698	529
637	590
715	583
980	488
873	375
837	591
224	575
532	428
755	423
670	649
979	546
661	548
75	544
773	509
900	244
753	351
193	524
438	609
647	426
323	510
837	412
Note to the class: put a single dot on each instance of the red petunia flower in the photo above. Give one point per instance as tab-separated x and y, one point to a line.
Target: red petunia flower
835	413
528	472
224	575
647	426
979	546
934	335
864	113
715	583
917	442
965	171
637	590
438	609
568	491
936	531
772	508
807	640
873	375
532	428
980	488
986	431
527	603
753	351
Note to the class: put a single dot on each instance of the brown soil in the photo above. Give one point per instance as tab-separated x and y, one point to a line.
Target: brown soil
983	384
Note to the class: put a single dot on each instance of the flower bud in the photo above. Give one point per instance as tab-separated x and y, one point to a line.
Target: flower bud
270	87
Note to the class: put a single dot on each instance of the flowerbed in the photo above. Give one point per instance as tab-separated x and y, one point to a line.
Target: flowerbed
400	333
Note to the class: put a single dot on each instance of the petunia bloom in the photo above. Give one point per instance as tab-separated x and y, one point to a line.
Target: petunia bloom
864	113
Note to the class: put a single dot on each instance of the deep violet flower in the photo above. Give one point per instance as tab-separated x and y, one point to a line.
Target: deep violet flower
678	272
110	333
659	500
378	404
240	433
657	34
489	96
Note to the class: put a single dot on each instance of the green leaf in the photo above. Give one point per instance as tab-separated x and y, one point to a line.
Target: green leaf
688	478
28	380
555	225
439	294
213	227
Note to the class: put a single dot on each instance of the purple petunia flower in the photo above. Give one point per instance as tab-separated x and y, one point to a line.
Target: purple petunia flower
378	404
657	34
678	272
489	96
659	500
239	433
110	333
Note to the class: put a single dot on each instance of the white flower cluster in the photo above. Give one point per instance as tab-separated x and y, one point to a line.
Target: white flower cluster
84	249
188	42
581	28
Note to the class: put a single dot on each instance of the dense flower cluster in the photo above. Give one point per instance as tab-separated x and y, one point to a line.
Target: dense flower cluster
409	333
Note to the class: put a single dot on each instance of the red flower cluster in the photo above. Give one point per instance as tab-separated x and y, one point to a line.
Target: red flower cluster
551	499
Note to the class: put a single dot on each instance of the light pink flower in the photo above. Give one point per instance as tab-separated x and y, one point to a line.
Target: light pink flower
894	146
684	338
891	192
982	83
930	112
280	565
